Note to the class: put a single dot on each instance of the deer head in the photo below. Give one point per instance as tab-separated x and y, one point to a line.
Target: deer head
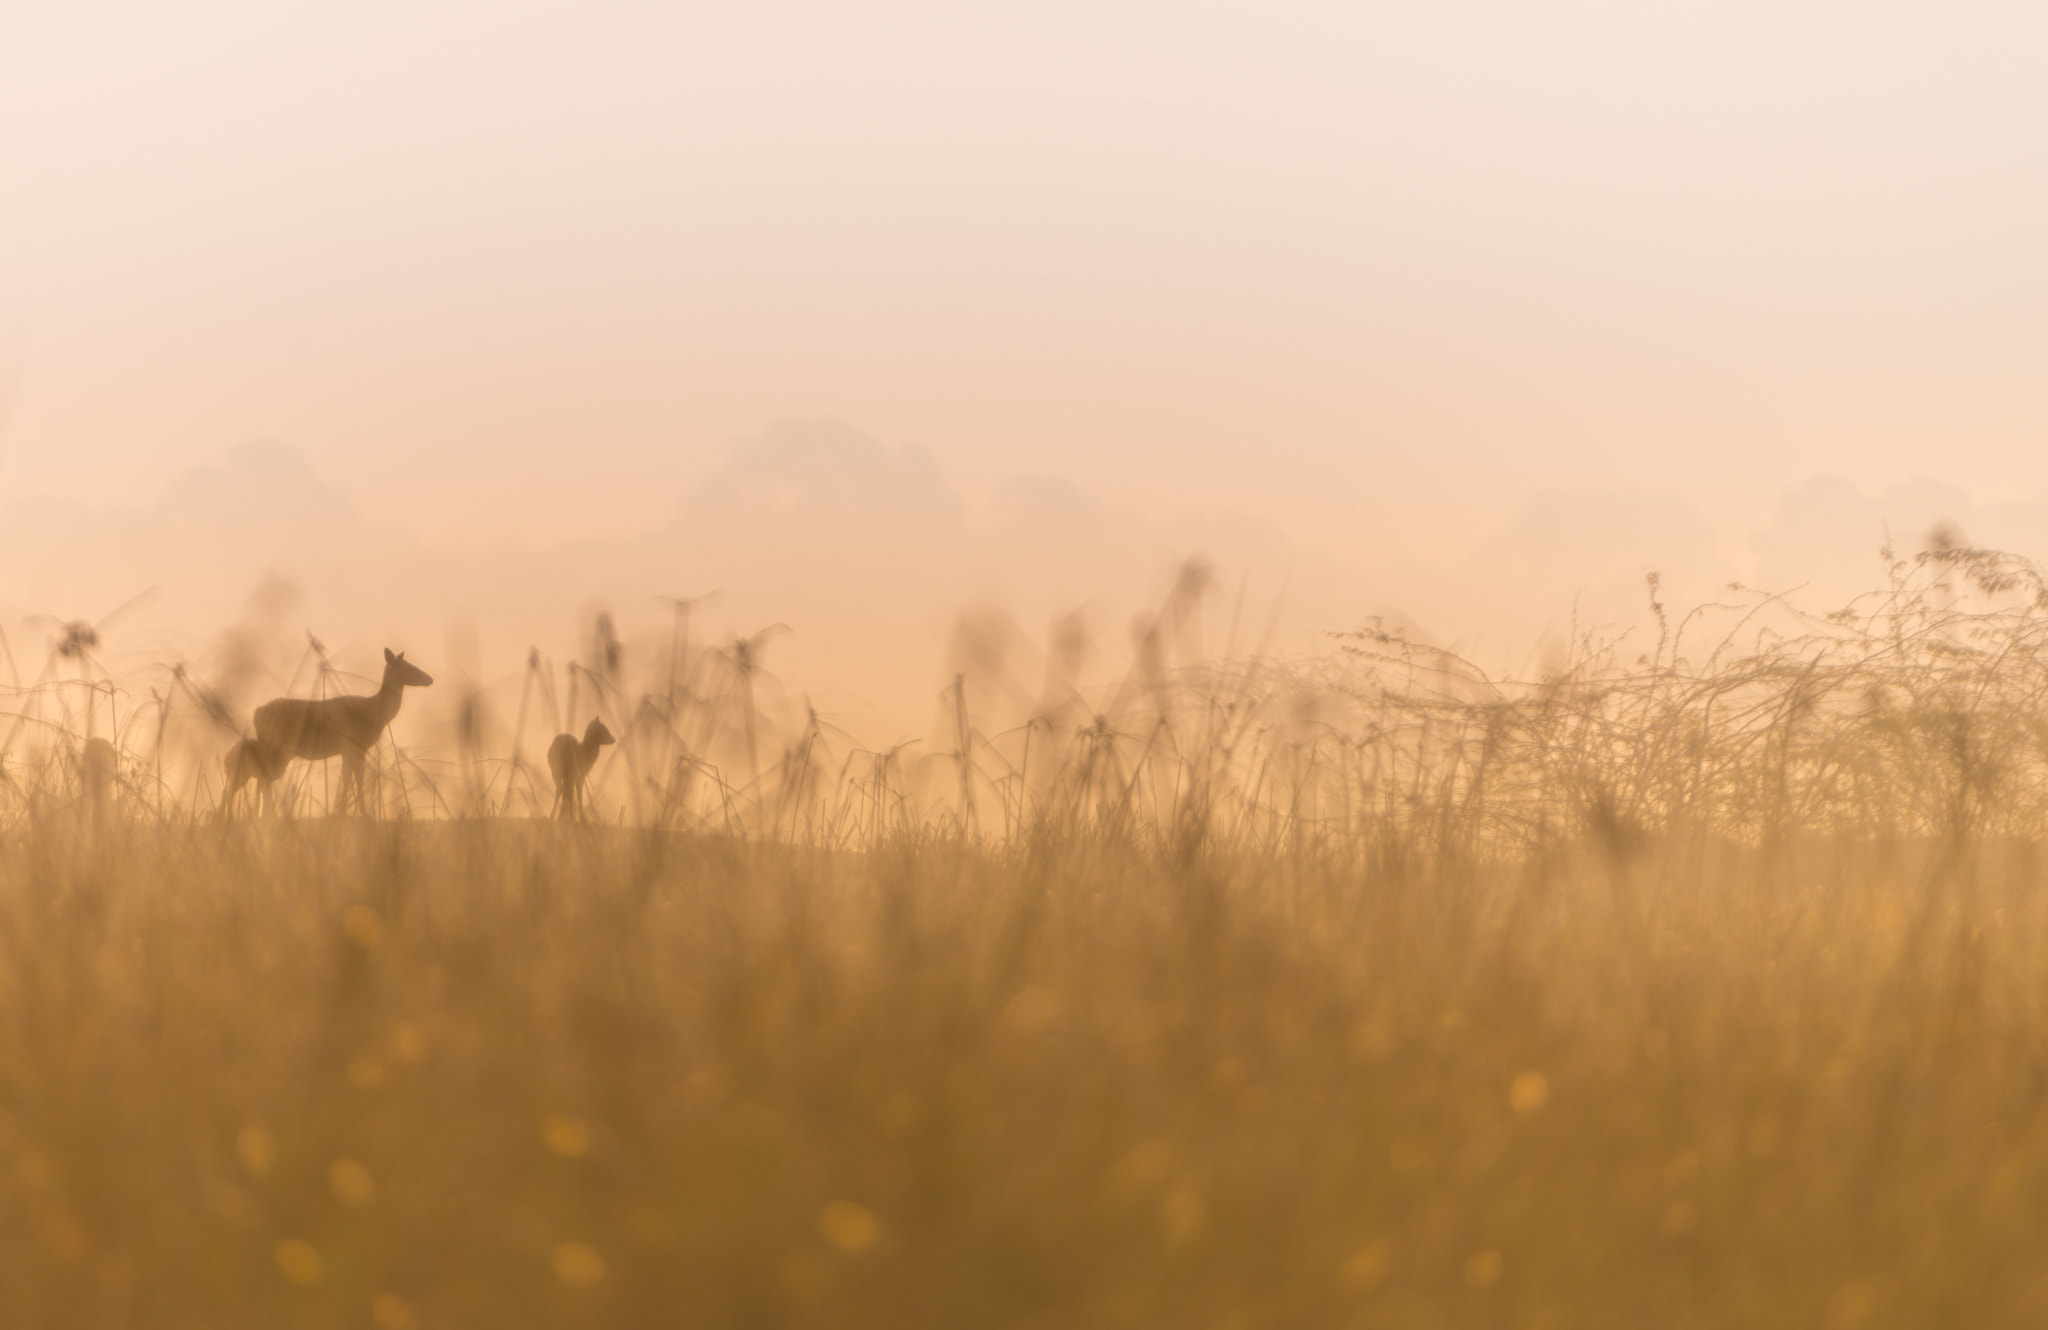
595	735
399	670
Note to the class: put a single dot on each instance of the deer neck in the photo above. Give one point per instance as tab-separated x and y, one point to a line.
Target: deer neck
389	696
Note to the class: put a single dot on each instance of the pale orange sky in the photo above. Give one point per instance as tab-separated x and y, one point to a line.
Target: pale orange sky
1378	272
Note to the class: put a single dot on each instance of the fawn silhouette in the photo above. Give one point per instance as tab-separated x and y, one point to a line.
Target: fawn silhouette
343	727
99	771
252	759
570	761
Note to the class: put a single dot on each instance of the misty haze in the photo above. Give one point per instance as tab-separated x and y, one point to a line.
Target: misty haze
1024	666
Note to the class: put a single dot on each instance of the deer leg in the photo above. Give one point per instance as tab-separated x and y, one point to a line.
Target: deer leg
352	765
240	773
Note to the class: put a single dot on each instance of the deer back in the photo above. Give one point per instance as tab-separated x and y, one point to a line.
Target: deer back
320	728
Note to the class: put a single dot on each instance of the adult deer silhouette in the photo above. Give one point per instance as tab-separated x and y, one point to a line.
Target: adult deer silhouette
344	727
570	762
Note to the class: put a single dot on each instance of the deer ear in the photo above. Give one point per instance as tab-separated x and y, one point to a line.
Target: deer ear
388	657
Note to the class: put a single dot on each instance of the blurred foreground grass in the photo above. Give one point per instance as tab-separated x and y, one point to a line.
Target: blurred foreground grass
492	1073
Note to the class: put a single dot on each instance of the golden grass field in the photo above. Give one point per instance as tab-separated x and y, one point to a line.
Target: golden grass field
1703	987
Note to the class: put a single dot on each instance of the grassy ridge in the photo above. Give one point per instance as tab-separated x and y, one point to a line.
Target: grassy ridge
1689	985
496	1073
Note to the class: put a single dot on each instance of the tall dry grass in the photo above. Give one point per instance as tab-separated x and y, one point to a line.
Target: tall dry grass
1695	983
